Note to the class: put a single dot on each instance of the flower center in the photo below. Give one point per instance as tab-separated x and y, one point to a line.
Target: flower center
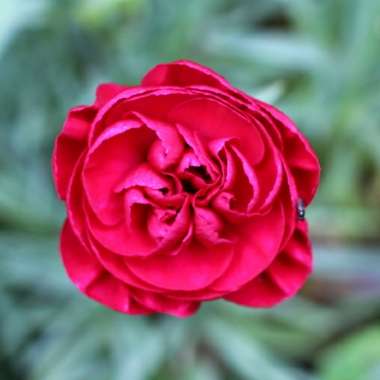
189	186
194	178
200	171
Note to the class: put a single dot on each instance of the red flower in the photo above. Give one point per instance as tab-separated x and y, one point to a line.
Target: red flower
182	190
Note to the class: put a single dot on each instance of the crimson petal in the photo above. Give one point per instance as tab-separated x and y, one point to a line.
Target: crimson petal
193	268
258	245
106	92
69	145
90	277
125	144
285	276
216	120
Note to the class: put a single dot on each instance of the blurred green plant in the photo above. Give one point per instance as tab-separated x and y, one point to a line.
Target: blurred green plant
318	60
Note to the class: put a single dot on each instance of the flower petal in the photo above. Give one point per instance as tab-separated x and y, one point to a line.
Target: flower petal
124	145
215	120
183	73
91	278
81	265
106	92
114	294
193	268
258	244
285	276
208	227
69	145
129	236
298	153
163	304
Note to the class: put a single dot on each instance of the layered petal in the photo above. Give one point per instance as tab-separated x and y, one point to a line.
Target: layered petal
183	73
255	249
163	304
298	153
125	146
91	278
216	120
69	145
106	92
81	265
194	267
284	277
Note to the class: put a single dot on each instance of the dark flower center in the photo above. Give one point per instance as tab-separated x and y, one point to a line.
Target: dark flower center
200	171
188	186
194	178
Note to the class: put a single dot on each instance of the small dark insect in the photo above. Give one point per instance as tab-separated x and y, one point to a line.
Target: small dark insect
301	212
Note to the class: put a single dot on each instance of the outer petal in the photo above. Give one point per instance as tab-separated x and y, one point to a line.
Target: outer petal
183	73
258	245
107	91
81	265
115	264
70	143
193	268
111	292
298	153
90	277
75	202
163	304
285	276
153	102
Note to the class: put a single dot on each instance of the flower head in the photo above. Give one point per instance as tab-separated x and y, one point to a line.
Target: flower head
181	190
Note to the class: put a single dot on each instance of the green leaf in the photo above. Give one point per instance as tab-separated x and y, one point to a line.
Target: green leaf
357	357
138	351
278	50
247	357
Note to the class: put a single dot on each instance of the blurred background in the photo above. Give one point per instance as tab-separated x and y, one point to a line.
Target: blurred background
318	60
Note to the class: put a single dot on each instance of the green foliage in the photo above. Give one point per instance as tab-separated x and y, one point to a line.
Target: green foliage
356	357
318	60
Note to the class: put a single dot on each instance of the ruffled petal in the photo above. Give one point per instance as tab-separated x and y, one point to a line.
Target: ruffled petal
285	276
81	265
69	145
163	304
151	102
106	92
298	153
209	228
144	231
269	172
91	278
116	265
193	268
114	294
75	202
125	146
122	239
242	182
216	120
183	73
256	247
